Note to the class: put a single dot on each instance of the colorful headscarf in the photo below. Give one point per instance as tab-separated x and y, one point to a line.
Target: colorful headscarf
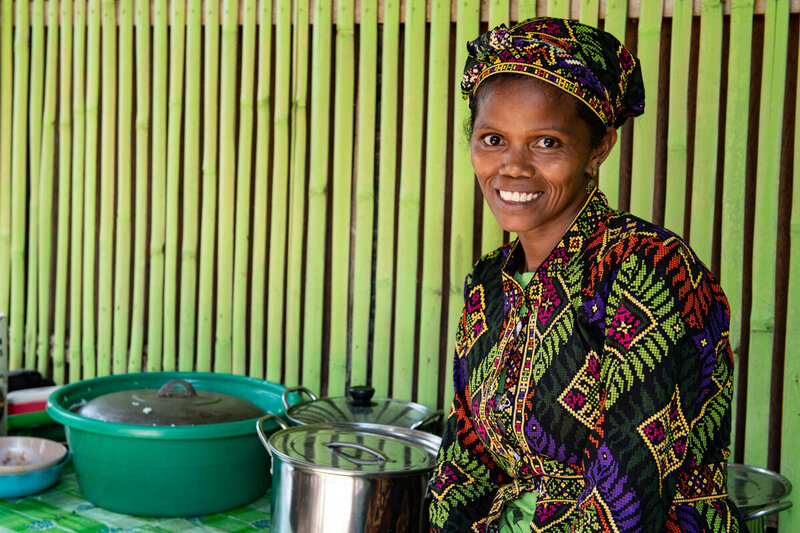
590	64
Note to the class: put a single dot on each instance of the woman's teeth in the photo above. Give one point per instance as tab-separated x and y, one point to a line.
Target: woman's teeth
517	196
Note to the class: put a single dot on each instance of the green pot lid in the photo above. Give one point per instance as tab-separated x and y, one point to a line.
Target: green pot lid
177	403
356	449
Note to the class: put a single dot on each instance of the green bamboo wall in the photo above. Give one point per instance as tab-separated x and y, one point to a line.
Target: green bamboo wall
282	189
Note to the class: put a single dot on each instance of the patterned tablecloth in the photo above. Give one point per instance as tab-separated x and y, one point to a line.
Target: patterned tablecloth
62	508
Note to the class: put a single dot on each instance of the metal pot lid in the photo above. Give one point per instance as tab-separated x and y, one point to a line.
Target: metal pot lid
751	487
354	449
177	403
358	407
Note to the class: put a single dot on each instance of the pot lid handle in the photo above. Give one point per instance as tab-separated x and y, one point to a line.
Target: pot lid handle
429	419
299	388
166	390
336	449
361	395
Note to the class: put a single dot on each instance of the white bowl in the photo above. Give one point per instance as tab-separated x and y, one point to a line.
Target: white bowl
27	454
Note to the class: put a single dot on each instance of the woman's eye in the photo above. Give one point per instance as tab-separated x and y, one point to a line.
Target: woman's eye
547	142
492	140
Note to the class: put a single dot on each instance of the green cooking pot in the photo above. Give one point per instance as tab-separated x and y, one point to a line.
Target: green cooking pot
170	469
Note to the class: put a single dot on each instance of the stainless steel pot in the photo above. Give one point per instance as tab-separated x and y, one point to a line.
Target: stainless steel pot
343	478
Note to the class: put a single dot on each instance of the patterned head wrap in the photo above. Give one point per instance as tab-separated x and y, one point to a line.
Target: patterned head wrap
590	64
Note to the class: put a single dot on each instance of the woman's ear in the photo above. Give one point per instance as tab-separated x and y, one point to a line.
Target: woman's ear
600	153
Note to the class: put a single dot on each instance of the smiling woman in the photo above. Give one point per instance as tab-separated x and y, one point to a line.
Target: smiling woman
592	373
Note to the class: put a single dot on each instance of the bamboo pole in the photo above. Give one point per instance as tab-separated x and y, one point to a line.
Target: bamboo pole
227	179
297	178
387	176
191	189
105	281
76	210
319	141
526	9
409	202
762	318
644	128
433	224
491	232
364	211
615	23
6	112
790	429
142	127
734	167
590	11
174	119
280	178
260	193
45	177
342	183
559	8
19	180
243	173
704	180
122	274
89	366
205	307
34	154
462	212
680	50
158	189
64	49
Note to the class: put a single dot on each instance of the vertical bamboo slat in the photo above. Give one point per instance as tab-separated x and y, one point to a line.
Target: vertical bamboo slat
762	317
615	23
177	47
409	202
387	172
122	244
491	232
526	9
76	210
105	280
680	51
790	426
734	166
208	225
280	180
704	180
243	171
260	193
435	176
64	153
227	183
463	187
34	156
158	189
644	128
558	8
142	130
191	187
364	192
590	12
19	187
319	143
45	177
6	111
297	179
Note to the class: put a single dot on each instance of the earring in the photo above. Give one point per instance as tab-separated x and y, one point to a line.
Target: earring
591	180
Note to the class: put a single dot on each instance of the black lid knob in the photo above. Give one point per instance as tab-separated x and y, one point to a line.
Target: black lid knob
361	395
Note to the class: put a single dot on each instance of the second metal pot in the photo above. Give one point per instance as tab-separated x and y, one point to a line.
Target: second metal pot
341	478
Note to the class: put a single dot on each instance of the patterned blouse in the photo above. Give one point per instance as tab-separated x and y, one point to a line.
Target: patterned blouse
604	385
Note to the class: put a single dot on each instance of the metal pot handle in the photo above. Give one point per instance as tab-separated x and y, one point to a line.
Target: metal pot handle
166	390
428	419
769	509
335	448
299	388
260	429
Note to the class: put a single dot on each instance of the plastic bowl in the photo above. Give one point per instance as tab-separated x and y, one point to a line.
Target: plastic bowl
26	454
21	485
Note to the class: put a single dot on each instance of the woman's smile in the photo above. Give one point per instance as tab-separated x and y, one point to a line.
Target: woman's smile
518	198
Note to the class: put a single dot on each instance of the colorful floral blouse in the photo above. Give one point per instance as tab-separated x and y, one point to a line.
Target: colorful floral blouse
604	385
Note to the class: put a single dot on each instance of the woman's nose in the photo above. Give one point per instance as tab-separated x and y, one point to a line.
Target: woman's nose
517	162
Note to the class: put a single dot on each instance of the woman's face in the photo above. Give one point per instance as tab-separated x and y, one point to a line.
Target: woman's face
531	152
